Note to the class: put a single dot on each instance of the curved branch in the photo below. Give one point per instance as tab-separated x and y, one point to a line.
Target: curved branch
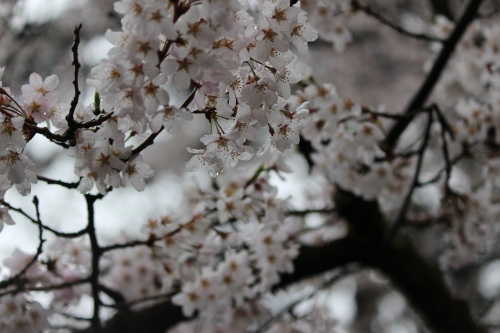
388	23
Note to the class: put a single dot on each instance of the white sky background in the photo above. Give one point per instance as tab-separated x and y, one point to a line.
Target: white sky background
44	10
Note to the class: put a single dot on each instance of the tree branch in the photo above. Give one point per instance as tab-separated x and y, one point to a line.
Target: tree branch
70	118
96	255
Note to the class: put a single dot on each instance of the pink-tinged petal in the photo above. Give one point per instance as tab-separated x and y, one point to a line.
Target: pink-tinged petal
169	66
35	80
51	82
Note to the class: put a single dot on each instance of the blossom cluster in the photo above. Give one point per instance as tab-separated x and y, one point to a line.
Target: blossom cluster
237	66
65	261
237	63
229	249
346	138
37	98
21	314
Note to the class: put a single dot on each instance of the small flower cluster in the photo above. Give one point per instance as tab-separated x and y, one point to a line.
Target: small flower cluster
22	315
346	139
136	273
475	75
103	159
238	65
320	15
65	263
15	166
472	219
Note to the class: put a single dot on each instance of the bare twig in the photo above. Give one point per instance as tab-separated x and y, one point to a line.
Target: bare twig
310	211
58	182
17	277
70	118
49	287
406	203
116	296
55	232
445	127
368	10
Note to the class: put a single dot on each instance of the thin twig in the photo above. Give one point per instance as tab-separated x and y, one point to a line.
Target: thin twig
47	228
406	203
58	182
385	21
158	297
149	242
135	243
16	278
116	296
452	161
73	317
310	211
445	127
49	287
70	118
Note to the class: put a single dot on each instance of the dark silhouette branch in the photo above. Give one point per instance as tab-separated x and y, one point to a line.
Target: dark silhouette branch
442	7
96	256
70	118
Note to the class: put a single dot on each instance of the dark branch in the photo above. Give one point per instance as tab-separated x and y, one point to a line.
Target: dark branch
58	182
70	118
96	255
46	288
